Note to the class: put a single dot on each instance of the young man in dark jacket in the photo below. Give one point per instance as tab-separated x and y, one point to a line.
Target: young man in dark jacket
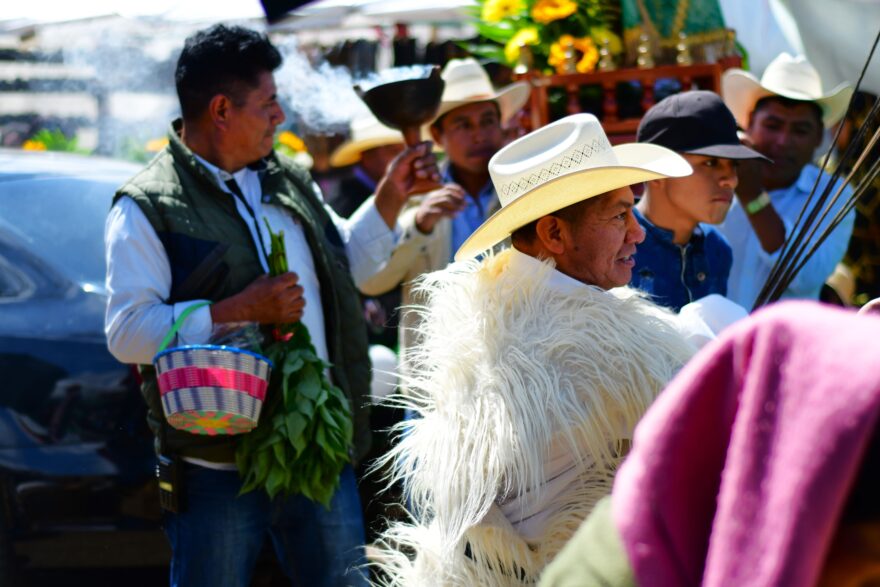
683	258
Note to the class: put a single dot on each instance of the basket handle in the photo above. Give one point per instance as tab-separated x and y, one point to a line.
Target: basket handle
179	322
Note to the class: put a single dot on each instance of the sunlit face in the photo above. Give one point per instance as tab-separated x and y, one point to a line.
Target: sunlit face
601	242
705	195
252	122
787	134
470	135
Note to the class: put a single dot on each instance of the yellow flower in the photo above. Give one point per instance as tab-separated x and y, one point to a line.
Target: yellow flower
546	11
526	36
156	145
589	55
291	141
495	10
599	34
32	145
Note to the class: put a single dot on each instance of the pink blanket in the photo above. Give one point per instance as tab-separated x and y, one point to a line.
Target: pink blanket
740	469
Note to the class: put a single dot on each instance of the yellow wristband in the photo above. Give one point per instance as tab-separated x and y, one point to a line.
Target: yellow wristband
758	203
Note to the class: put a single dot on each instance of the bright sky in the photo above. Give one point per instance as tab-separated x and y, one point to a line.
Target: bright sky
58	10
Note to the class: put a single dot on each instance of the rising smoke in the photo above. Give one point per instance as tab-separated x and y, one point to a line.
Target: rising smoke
132	63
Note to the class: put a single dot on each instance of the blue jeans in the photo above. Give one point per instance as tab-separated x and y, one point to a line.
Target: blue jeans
217	538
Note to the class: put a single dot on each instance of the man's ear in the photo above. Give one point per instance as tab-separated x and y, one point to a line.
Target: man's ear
435	134
549	231
219	108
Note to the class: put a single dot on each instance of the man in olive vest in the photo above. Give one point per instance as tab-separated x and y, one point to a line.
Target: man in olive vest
188	229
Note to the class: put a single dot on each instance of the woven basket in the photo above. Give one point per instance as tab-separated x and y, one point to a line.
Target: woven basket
209	389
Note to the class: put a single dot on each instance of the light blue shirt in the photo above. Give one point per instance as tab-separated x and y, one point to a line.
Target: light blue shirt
475	212
752	264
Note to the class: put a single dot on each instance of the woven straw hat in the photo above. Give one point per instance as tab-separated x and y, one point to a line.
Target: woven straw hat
558	165
366	133
786	76
467	82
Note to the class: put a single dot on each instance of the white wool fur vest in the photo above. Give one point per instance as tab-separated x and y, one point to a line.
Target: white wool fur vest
509	365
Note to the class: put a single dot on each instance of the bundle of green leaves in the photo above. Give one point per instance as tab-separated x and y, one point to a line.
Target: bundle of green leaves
302	441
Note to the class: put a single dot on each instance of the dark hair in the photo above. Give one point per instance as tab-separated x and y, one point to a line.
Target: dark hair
571	214
221	60
790	103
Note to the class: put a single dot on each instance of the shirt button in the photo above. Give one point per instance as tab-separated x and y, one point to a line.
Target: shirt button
701	276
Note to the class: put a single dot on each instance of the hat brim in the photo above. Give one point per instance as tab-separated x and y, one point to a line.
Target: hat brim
510	100
741	91
733	151
349	152
637	162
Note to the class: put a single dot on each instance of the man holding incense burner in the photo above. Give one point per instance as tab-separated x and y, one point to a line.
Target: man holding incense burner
469	129
190	228
784	115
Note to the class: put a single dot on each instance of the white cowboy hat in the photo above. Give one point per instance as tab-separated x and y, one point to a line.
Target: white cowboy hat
467	82
558	165
786	76
366	133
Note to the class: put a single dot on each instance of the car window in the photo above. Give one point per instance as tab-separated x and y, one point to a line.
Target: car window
14	284
61	220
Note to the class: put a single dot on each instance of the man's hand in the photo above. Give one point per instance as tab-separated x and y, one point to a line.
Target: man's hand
445	202
267	300
751	175
413	165
766	222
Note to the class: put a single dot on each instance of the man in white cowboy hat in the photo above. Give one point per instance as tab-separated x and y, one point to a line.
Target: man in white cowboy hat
784	115
468	127
535	366
368	151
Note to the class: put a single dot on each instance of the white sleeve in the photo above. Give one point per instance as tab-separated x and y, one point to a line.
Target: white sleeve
138	283
368	240
703	320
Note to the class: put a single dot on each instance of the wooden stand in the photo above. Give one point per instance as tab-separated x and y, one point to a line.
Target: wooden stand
704	76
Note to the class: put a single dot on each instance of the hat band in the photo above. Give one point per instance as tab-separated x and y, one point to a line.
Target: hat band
574	159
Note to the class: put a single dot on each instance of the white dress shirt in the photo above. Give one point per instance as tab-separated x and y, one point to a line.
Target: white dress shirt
139	273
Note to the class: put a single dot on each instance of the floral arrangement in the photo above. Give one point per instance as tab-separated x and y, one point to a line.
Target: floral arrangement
52	140
289	144
561	35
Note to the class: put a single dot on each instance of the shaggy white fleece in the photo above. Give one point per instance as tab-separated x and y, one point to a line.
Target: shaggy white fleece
508	366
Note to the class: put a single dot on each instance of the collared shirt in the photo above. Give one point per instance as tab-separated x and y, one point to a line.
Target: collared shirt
139	273
475	212
752	264
675	275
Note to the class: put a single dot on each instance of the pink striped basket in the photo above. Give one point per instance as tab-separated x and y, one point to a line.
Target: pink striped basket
209	389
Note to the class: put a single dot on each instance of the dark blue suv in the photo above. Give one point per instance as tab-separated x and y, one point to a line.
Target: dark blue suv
76	457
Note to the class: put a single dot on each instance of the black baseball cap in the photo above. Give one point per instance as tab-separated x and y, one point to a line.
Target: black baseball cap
695	122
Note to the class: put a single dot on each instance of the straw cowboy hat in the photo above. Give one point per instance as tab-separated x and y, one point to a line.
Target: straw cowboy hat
558	165
786	76
366	133
467	82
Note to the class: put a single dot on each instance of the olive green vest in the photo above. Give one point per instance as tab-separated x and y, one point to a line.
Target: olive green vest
213	256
